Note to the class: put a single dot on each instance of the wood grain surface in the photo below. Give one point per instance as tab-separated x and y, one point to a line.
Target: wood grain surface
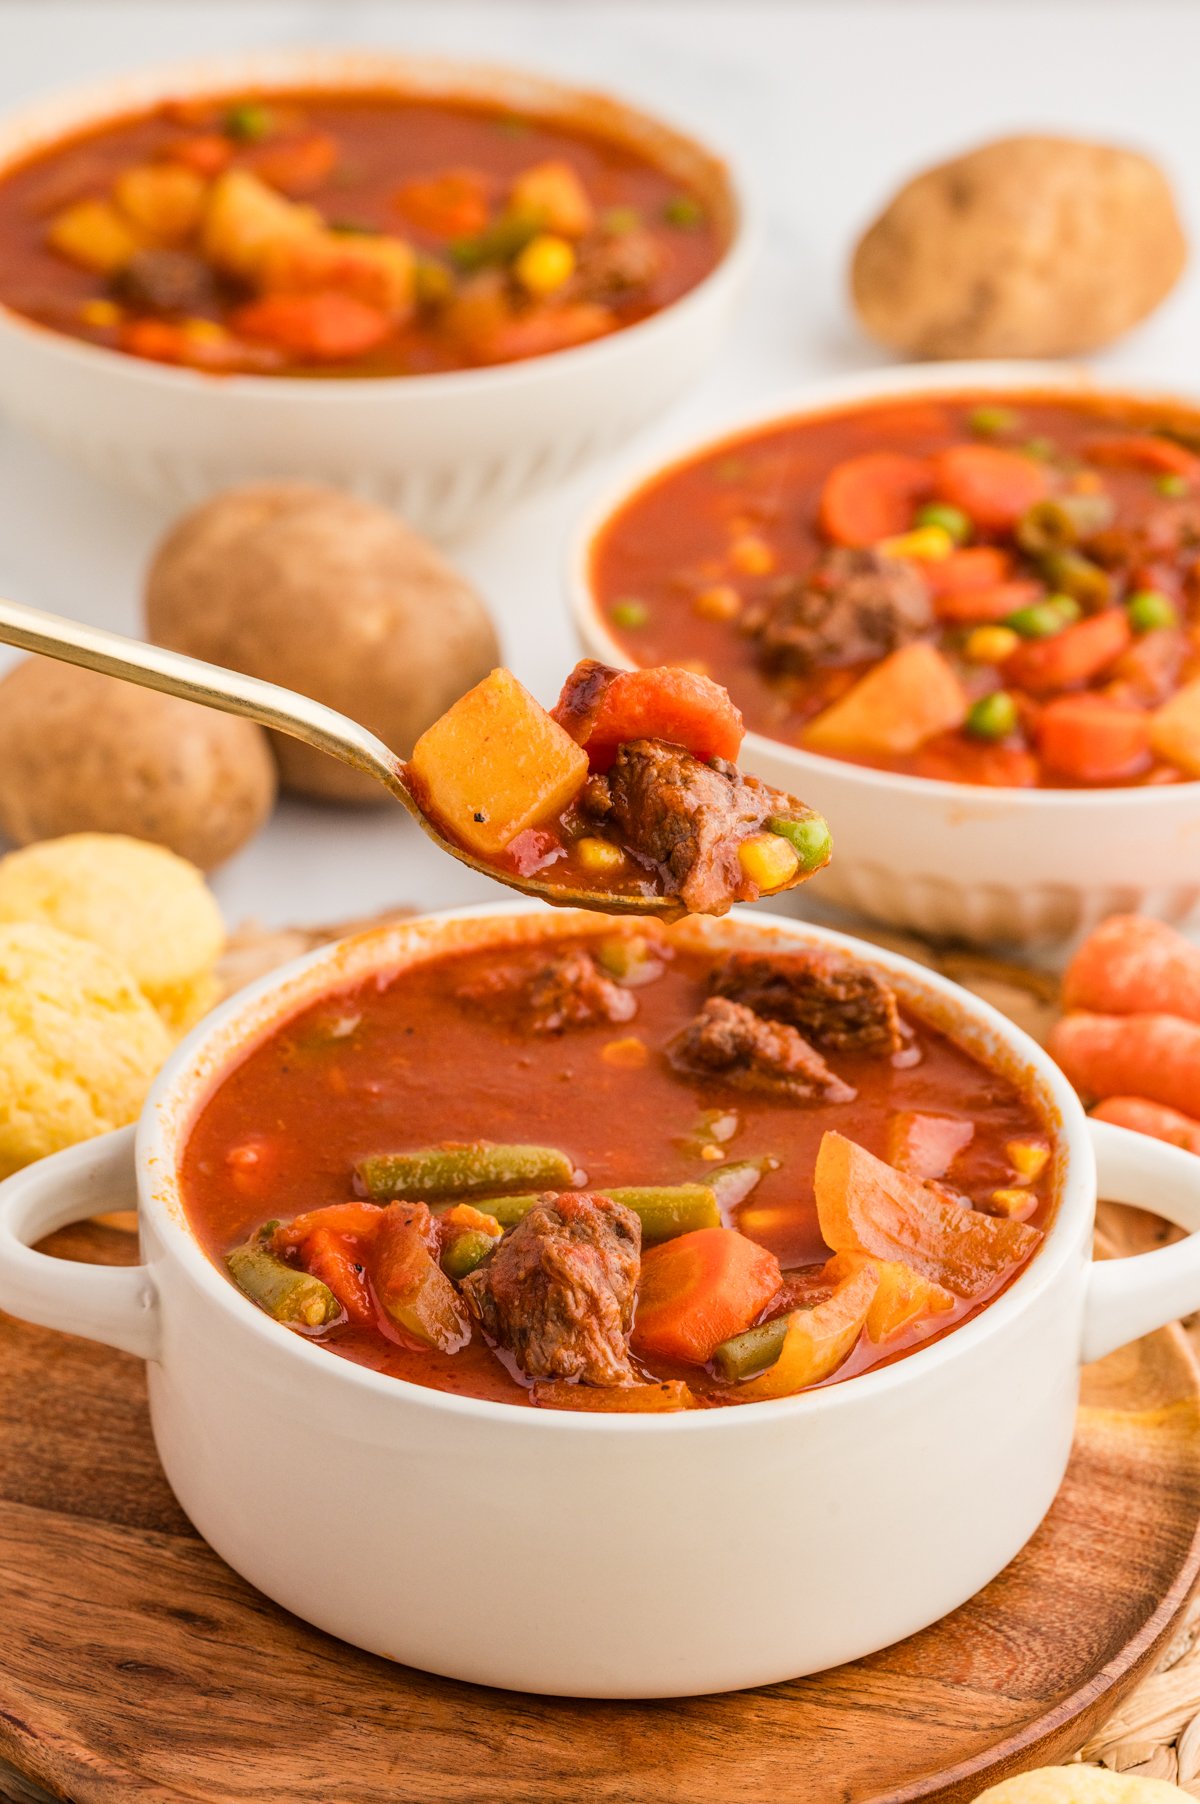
136	1667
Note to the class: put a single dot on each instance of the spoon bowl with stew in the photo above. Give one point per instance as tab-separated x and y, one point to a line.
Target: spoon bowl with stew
624	799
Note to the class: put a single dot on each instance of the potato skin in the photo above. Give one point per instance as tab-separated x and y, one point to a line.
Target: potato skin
329	595
1025	247
83	753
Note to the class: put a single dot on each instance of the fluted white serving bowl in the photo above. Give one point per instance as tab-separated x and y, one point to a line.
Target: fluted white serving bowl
447	451
1022	866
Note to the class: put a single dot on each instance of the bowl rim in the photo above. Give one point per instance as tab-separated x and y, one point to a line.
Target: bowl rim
81	104
831	395
193	1071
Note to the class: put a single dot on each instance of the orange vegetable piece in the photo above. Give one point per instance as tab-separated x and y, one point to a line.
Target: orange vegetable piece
864	1206
328	1257
208	153
1152	1118
1175	729
453	204
615	1399
411	1285
699	1289
357	1219
663	702
298	165
907	698
992	485
1070	658
926	1146
872	497
1144	451
903	1296
1131	965
1152	1055
975	567
984	607
956	759
323	327
1093	739
818	1339
158	339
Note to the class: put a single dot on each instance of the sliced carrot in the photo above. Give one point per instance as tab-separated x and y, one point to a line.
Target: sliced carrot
872	497
976	567
298	165
208	153
982	607
1070	658
993	486
1094	739
602	711
324	326
1152	1055
699	1289
1153	1118
615	1399
1131	965
334	1260
358	1219
1143	451
454	204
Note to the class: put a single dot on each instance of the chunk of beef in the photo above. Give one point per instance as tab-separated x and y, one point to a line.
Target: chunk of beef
558	1292
732	1043
834	999
686	817
162	281
572	991
614	267
852	608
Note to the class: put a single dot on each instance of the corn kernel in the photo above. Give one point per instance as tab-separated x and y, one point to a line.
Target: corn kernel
720	602
927	544
599	855
1029	1159
100	313
1015	1205
544	265
628	1054
711	1153
991	644
768	860
751	555
204	331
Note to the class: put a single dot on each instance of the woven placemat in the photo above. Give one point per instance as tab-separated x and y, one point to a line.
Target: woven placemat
1156	1731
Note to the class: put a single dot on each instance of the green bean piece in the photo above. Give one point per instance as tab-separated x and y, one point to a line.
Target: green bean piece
684	211
733	1183
953	522
248	122
1149	609
992	717
1062	522
508	1210
810	837
666	1210
746	1354
1070	573
500	243
462	1170
466	1251
285	1293
990	422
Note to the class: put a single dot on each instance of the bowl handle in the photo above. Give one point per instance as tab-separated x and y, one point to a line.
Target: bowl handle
1127	1298
114	1304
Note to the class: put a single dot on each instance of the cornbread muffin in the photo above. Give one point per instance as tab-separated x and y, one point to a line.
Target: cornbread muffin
149	909
79	1043
84	753
1081	1785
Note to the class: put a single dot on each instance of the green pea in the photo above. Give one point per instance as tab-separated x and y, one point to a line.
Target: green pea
247	122
1042	450
618	221
1171	484
1149	609
1044	618
952	520
811	838
990	422
629	613
993	716
685	211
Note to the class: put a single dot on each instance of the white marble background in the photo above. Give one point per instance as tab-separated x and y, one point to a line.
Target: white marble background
823	104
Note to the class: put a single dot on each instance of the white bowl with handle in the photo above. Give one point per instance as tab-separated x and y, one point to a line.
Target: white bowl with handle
1021	866
629	1556
447	451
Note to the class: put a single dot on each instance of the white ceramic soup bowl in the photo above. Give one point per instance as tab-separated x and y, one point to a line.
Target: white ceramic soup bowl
447	451
1016	865
614	1556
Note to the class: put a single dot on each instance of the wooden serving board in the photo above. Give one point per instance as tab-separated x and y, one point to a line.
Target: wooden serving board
136	1668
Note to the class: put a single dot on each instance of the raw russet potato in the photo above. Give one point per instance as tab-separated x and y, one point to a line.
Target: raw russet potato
327	594
80	753
1081	1785
1025	247
79	1043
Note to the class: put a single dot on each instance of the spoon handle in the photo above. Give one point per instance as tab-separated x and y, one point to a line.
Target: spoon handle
174	674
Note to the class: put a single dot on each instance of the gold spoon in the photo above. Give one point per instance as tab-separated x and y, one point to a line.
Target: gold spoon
284	712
